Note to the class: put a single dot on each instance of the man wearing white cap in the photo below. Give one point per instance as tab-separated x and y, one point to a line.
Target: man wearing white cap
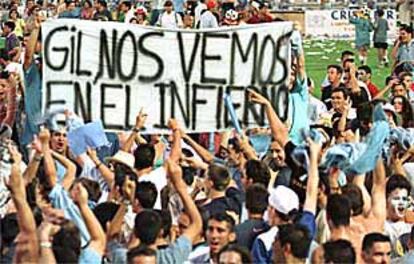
283	209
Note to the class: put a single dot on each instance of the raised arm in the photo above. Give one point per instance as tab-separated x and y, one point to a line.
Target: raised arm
128	192
31	46
359	180
378	192
201	151
98	240
313	178
27	248
279	130
139	124
106	173
194	229
48	162
70	167
175	154
31	170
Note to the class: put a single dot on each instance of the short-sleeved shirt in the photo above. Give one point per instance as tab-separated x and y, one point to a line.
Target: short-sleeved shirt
380	32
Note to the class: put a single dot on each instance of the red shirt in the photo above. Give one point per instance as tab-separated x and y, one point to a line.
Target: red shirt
373	90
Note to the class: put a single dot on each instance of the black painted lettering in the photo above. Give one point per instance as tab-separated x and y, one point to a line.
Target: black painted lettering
65	50
187	70
119	58
106	58
149	53
251	47
197	101
267	41
205	57
79	70
83	105
104	105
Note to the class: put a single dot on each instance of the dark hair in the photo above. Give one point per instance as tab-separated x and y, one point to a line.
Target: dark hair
166	222
105	212
406	28
258	171
10	24
354	195
338	210
223	217
372	238
407	113
298	237
66	243
365	68
144	156
346	53
342	90
241	251
188	174
92	187
235	145
9	228
397	181
126	3
146	192
380	12
148	225
256	198
141	250
337	67
339	252
220	176
14	10
103	3
402	75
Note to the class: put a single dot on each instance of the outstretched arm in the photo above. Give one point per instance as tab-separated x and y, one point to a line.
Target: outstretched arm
313	178
378	192
279	130
98	240
201	151
27	249
194	229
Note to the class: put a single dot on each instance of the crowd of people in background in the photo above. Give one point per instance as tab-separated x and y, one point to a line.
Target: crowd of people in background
331	184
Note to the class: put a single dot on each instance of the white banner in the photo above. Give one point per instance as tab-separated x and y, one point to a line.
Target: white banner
108	71
334	23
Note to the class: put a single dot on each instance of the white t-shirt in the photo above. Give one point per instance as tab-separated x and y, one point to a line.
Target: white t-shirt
395	229
171	20
159	178
208	20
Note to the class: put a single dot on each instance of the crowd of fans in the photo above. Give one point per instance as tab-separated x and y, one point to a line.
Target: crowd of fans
331	184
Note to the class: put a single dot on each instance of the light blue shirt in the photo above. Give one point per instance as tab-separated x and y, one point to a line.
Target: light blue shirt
60	199
298	110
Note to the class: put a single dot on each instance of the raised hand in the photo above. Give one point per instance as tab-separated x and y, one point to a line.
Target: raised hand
140	119
257	98
80	195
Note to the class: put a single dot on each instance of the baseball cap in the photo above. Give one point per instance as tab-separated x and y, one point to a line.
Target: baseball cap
283	199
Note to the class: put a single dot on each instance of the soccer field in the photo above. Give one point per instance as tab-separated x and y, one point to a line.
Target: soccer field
320	53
